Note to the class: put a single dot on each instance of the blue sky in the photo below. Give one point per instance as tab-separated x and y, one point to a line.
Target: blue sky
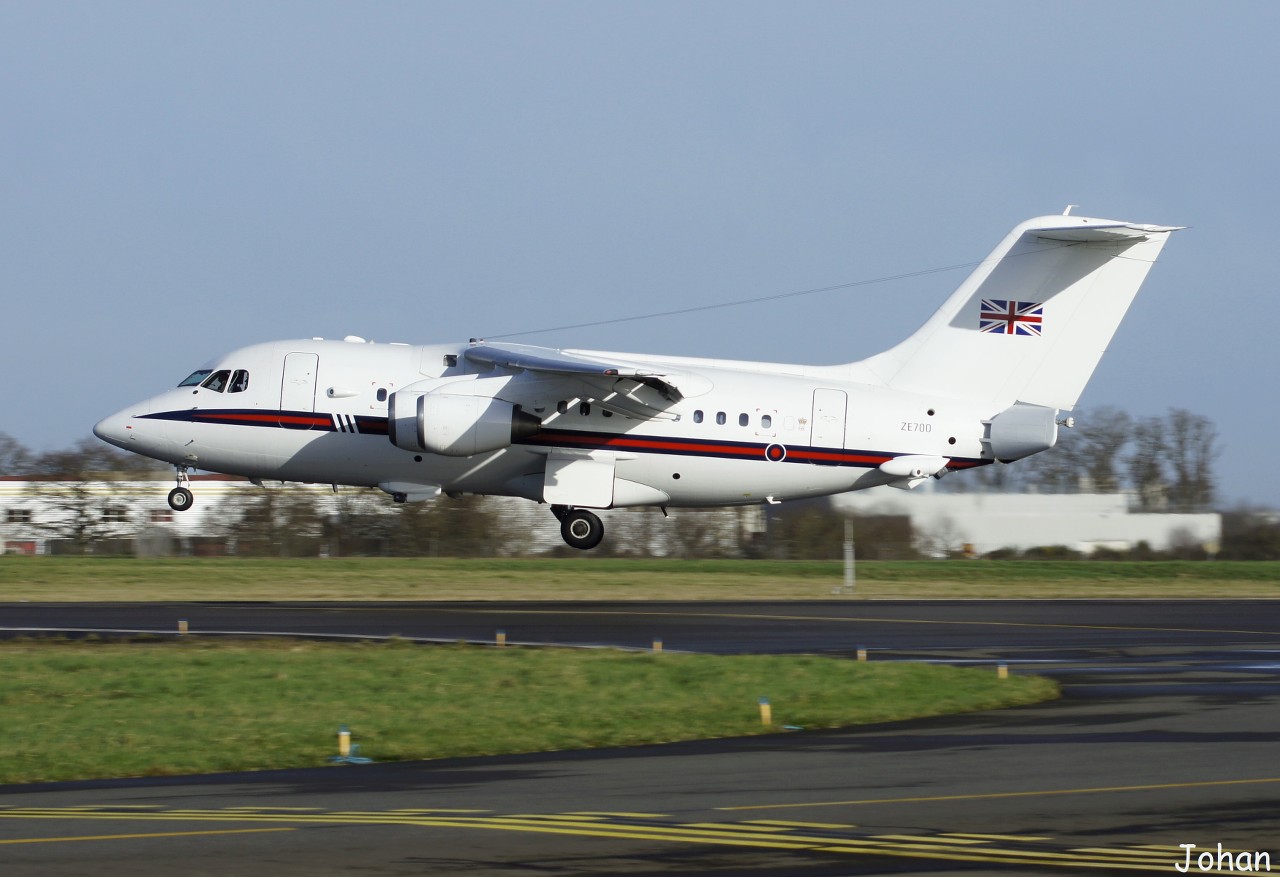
180	179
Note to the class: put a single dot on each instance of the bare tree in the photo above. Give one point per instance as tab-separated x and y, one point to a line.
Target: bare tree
1100	445
79	495
1145	464
943	537
1059	469
1192	446
360	522
14	458
703	533
806	530
284	521
996	478
636	532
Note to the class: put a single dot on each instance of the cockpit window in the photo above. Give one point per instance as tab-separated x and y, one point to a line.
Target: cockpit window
239	381
217	381
194	379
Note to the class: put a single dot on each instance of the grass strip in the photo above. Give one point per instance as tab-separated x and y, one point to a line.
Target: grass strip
82	710
40	579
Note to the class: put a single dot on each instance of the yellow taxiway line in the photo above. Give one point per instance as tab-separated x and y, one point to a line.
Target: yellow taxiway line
89	837
993	795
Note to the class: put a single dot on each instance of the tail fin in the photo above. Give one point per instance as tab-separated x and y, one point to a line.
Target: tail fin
1031	322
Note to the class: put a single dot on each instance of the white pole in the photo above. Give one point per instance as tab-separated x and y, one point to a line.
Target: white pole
849	575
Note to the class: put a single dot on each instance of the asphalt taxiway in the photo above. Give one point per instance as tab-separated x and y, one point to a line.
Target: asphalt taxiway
1166	735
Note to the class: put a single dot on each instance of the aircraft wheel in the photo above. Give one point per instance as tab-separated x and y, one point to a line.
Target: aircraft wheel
180	499
581	529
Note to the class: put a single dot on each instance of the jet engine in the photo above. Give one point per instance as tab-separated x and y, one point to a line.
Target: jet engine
456	425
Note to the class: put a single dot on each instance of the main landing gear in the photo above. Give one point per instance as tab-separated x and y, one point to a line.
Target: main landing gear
580	528
181	498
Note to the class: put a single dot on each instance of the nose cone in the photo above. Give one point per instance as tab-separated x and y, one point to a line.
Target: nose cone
115	430
133	430
127	428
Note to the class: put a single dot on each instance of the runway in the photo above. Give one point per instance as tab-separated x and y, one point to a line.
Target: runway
1166	735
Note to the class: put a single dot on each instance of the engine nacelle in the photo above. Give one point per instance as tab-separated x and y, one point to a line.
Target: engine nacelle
458	426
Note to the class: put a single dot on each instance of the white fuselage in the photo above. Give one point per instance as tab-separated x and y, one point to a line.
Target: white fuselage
316	411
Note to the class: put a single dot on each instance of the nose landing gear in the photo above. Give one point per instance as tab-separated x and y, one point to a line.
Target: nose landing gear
579	528
181	498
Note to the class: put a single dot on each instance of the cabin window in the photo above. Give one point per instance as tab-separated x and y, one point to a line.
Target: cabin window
721	418
382	394
562	406
743	419
697	416
451	360
585	409
766	422
607	413
239	381
195	378
217	381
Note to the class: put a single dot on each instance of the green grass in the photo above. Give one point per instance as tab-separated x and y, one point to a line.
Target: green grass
79	710
604	578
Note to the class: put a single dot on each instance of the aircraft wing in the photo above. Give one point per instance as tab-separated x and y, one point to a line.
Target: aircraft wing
631	389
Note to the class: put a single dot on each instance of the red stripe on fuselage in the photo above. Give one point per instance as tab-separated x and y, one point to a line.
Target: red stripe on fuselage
820	456
278	417
596	440
834	456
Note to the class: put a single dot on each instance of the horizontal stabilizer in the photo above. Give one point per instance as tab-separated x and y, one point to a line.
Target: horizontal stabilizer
1104	234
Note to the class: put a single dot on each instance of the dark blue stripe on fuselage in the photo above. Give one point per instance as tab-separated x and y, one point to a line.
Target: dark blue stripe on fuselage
568	438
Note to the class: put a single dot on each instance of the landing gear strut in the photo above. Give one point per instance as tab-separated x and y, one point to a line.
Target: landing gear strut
181	498
580	528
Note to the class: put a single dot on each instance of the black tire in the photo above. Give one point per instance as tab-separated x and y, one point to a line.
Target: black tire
581	530
180	499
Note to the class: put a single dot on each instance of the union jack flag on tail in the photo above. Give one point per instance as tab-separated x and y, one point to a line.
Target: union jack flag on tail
1004	317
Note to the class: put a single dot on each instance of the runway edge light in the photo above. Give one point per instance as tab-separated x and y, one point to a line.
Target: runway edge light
348	752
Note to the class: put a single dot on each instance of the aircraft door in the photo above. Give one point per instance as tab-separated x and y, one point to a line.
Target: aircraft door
298	386
828	418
